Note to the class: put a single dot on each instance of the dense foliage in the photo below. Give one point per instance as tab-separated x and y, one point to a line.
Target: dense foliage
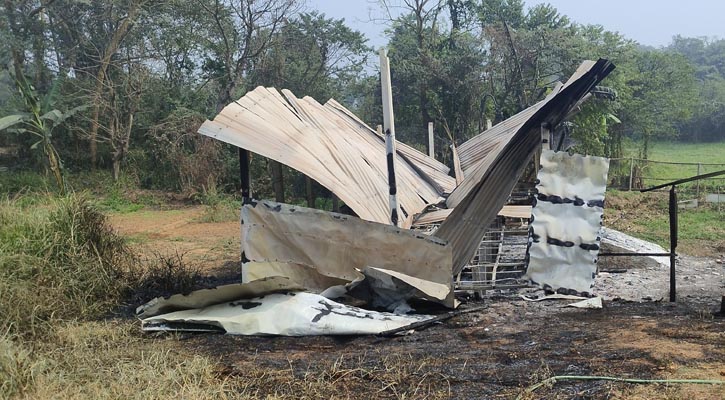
124	84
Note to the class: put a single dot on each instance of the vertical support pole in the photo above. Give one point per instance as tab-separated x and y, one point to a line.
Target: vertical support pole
245	180
699	167
335	203
244	175
277	175
673	241
631	172
489	124
389	129
431	144
545	137
309	192
545	145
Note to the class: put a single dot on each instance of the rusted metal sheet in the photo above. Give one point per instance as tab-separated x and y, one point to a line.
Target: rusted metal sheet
437	216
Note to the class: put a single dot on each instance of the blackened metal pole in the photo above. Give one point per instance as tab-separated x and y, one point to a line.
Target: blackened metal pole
431	144
673	242
389	129
244	176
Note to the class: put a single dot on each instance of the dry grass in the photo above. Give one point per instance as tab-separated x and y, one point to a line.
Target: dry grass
62	269
64	272
107	360
395	376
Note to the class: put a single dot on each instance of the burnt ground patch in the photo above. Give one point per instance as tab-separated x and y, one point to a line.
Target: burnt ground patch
494	353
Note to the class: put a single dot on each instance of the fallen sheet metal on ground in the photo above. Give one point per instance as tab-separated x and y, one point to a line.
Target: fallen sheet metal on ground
391	290
584	302
564	233
206	297
286	314
616	241
304	244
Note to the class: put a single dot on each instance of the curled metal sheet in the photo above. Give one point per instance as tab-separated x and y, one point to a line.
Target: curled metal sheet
564	234
285	314
486	188
308	245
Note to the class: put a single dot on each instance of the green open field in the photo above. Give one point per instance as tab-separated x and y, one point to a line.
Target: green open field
655	173
701	230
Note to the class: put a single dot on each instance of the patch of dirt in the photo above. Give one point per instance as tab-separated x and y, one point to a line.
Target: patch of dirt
208	245
700	281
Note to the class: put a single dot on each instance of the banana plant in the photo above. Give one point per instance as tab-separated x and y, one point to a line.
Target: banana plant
40	122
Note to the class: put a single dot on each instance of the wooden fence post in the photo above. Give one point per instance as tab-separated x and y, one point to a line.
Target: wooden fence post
631	172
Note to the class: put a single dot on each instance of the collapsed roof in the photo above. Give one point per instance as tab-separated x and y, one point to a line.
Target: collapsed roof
332	146
366	257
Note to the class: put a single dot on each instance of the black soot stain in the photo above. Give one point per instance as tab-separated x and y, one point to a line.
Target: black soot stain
557	242
245	304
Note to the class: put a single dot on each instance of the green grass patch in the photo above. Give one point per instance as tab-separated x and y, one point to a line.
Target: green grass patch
14	183
701	231
654	173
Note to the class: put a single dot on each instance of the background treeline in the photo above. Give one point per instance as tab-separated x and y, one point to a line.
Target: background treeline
121	86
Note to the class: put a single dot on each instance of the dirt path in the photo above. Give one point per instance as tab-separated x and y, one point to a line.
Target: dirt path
208	245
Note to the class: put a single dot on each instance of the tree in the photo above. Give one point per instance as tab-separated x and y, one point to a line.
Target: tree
39	120
663	93
238	31
110	48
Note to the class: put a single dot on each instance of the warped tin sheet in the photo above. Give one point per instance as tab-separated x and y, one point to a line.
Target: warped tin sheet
314	242
285	314
564	234
332	146
206	297
389	289
489	182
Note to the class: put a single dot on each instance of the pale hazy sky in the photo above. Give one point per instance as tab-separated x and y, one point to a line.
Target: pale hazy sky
650	22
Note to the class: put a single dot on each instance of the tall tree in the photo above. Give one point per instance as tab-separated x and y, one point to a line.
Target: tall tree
238	32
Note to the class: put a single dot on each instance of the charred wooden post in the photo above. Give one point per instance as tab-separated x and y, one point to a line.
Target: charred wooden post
309	192
277	175
335	203
244	175
389	129
673	241
545	136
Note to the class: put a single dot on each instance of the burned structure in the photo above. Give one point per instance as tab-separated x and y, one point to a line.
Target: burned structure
421	228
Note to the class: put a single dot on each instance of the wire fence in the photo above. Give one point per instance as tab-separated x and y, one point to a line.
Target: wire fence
636	173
